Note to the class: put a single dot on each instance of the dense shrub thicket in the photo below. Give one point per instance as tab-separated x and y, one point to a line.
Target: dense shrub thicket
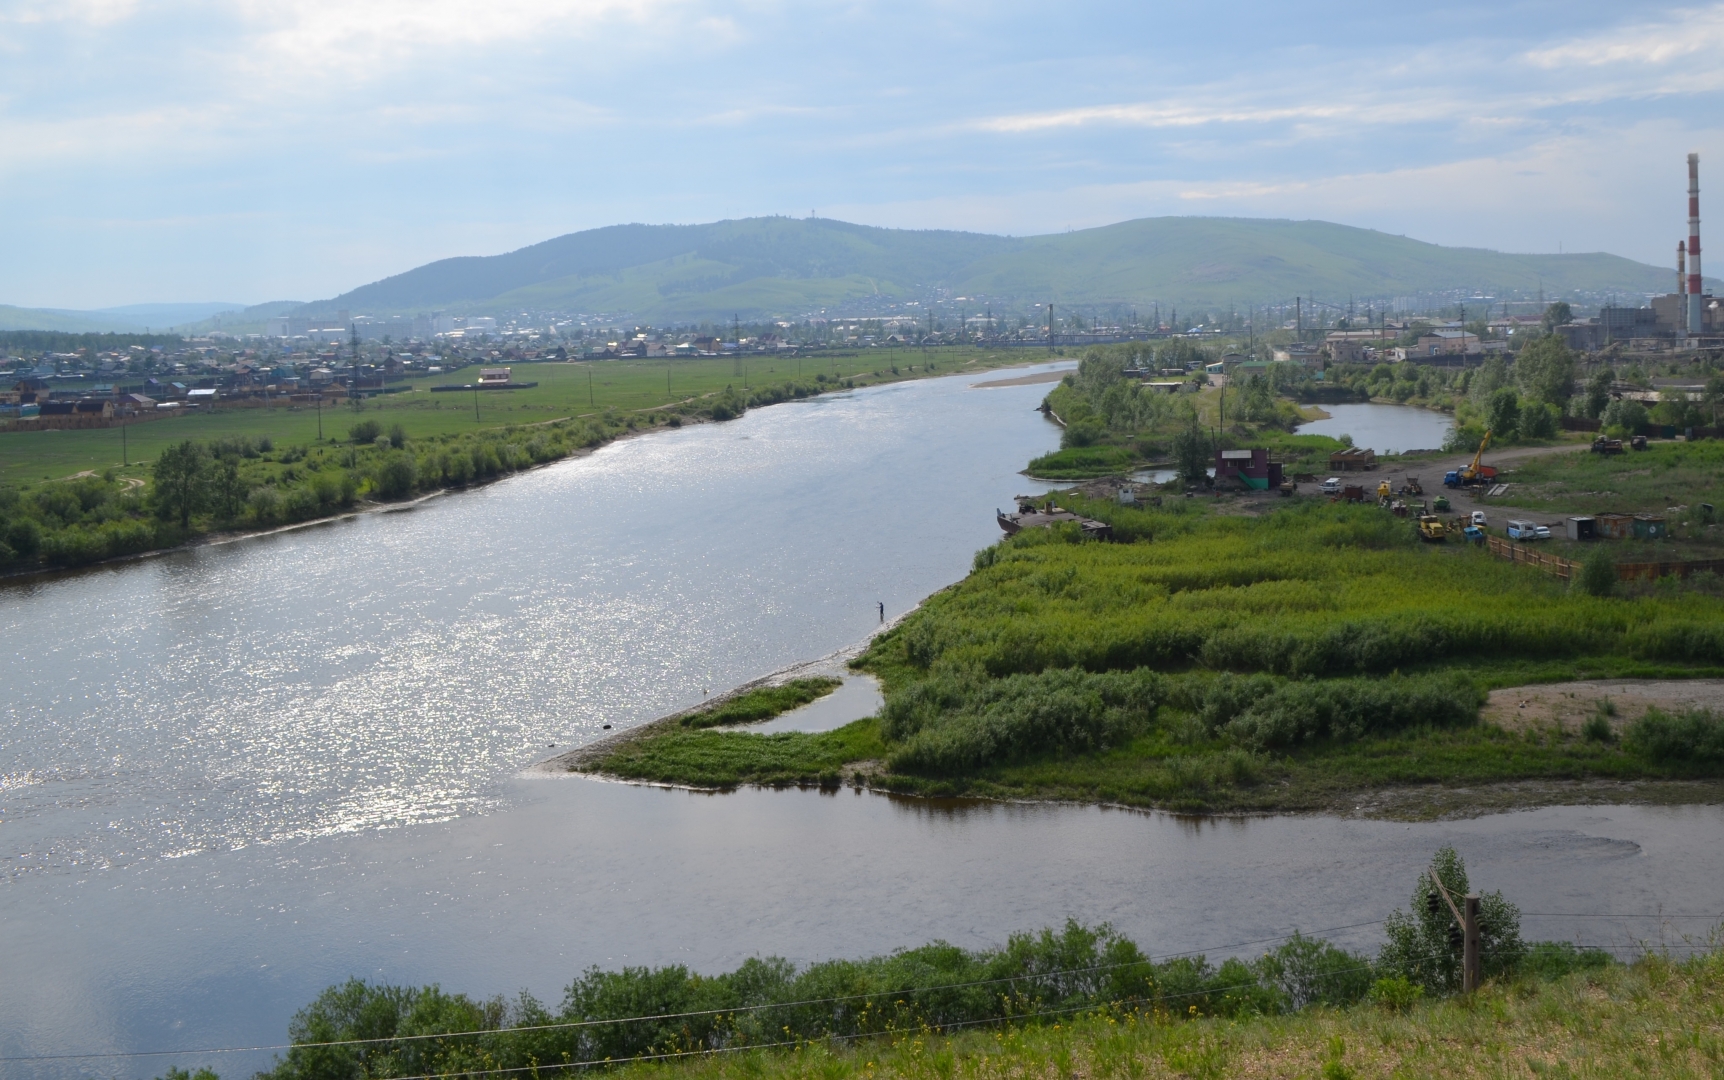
1271	633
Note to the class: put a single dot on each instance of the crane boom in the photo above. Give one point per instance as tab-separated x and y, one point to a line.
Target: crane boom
1472	471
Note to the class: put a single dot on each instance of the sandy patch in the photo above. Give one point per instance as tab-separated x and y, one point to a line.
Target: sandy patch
1567	705
1023	380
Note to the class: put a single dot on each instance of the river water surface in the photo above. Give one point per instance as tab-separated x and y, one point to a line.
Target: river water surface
234	775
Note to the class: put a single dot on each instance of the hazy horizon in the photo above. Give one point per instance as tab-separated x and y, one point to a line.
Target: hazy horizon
224	148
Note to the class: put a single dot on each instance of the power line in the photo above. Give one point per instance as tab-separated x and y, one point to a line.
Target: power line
571	1024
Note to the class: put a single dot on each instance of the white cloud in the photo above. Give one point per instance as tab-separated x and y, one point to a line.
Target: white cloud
1685	33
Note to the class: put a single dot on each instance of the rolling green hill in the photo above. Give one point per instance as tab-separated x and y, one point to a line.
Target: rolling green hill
787	266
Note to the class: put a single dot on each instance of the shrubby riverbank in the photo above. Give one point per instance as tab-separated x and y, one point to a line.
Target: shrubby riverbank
236	483
1057	998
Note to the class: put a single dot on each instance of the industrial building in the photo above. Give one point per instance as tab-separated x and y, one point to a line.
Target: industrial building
1689	316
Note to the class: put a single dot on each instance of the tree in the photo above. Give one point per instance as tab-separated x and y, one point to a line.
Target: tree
1422	949
229	488
1503	412
1713	397
1625	414
1191	453
179	481
1557	314
1545	371
1598	392
1491	376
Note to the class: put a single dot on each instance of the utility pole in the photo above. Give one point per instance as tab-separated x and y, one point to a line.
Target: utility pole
1050	326
1298	318
125	456
1467	921
591	403
353	347
320	414
1470	968
475	403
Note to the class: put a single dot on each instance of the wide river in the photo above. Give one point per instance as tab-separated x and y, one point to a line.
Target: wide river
234	775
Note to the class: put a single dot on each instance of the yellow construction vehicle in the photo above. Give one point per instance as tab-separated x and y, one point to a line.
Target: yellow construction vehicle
1383	491
1431	528
1474	473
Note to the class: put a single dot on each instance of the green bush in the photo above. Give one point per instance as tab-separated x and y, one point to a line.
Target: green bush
1597	575
1262	712
1420	946
366	431
962	721
1692	737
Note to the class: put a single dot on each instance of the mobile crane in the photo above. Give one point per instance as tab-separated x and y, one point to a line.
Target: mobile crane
1474	473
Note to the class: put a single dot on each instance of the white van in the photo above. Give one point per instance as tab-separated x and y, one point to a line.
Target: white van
1332	486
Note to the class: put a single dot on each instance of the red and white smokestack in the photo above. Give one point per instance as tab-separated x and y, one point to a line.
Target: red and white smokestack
1682	272
1694	287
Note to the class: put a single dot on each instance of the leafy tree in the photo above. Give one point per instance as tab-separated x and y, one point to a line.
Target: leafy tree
1503	412
1713	397
1545	371
1598	392
1557	314
1491	376
1420	946
366	431
1191	453
1625	414
229	488
179	475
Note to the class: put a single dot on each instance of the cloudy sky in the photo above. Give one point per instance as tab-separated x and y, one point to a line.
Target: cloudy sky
249	150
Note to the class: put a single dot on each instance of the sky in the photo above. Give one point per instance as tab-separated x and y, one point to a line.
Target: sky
253	150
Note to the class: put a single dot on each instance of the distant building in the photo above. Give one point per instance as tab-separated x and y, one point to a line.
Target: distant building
494	376
1252	468
1355	346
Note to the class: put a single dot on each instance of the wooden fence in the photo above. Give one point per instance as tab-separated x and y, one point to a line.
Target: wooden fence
1562	568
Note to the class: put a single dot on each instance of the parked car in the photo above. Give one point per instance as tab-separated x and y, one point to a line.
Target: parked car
1543	531
1332	486
1479	518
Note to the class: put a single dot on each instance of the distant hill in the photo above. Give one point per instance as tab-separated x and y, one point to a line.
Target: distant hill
130	319
70	322
788	266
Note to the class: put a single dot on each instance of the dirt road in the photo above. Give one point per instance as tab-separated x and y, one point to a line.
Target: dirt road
1430	473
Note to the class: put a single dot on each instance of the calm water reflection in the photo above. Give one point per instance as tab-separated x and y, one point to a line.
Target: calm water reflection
1387	429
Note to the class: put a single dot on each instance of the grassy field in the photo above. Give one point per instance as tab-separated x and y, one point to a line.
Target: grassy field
1236	655
564	390
1667	474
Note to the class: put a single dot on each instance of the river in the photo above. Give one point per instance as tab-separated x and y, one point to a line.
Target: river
233	775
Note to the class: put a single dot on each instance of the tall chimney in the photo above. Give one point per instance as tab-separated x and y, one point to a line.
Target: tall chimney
1682	271
1694	286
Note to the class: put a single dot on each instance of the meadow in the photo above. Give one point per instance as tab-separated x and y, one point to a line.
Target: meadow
1665	475
574	390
